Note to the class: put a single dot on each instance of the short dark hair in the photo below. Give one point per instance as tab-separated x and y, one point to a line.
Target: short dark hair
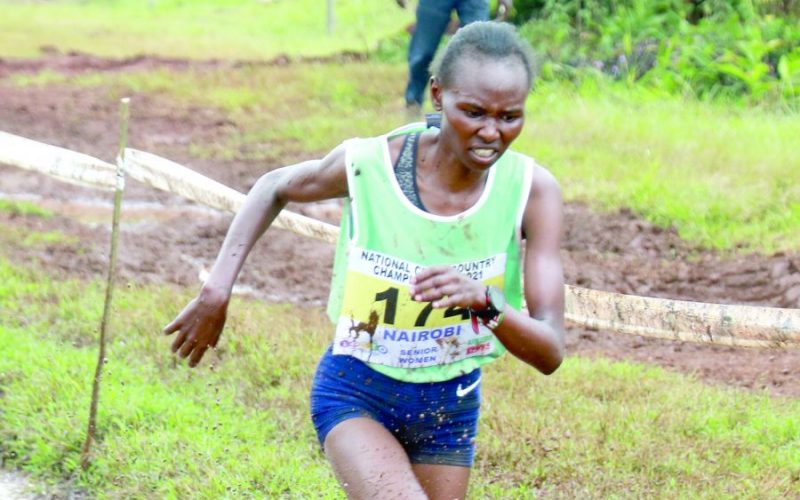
490	39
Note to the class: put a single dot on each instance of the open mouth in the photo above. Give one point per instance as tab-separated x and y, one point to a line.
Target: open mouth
484	155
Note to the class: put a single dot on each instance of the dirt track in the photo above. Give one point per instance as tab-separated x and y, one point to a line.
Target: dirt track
167	240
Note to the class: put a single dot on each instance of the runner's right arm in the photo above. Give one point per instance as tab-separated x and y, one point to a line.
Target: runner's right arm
200	323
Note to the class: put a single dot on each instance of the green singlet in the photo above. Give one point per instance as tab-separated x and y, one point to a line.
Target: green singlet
385	240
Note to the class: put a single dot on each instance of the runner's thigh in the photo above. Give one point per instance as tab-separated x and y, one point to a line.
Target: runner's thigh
369	462
445	482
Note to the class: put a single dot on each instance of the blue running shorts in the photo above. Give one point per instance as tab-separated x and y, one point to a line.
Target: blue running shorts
435	422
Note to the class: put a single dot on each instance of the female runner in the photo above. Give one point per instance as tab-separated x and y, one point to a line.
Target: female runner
440	223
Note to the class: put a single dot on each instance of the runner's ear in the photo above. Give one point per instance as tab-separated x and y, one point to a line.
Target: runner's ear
436	94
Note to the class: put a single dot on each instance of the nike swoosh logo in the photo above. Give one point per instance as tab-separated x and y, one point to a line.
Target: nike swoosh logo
466	390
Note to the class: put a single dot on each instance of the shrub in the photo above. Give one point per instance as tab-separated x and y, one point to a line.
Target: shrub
709	48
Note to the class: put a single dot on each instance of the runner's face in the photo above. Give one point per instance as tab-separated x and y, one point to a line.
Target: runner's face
483	111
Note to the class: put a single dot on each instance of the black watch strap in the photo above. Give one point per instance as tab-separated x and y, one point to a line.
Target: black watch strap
492	315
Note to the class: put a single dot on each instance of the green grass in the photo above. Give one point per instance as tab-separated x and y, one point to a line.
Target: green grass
15	207
31	239
197	29
163	427
725	176
237	426
49	238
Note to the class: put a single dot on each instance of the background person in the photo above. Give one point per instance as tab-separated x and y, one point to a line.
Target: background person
427	276
432	20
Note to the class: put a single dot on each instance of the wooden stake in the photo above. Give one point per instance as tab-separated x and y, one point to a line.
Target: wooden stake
101	354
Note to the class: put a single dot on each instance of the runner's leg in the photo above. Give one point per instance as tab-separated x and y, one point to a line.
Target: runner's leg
445	482
370	463
432	19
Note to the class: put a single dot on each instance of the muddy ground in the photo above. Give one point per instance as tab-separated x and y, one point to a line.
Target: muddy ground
168	240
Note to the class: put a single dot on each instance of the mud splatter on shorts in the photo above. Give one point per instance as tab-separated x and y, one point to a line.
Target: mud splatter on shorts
435	422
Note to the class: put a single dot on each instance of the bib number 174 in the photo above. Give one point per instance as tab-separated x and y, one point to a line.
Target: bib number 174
391	296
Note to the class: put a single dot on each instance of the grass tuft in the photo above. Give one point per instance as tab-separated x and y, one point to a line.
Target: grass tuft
24	208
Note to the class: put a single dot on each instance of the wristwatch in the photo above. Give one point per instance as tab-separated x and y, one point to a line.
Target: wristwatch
492	315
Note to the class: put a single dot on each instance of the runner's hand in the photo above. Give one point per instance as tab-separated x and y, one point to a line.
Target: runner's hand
446	287
199	325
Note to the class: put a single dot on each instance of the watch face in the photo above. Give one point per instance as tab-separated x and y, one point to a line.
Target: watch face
496	298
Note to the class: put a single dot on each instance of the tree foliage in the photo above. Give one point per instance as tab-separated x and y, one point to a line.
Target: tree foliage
732	48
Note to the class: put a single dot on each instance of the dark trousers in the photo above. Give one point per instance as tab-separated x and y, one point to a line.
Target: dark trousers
433	16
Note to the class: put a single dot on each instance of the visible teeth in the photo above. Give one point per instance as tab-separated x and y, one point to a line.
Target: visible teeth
484	153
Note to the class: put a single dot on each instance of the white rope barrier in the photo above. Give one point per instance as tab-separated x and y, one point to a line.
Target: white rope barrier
725	324
170	176
733	325
63	164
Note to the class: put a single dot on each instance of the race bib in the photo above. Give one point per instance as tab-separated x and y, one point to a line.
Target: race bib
381	323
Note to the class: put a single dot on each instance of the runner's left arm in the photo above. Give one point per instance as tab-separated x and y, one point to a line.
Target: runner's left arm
538	336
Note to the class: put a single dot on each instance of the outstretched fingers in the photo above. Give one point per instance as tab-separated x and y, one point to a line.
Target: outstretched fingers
173	326
197	355
192	344
198	328
179	340
177	325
